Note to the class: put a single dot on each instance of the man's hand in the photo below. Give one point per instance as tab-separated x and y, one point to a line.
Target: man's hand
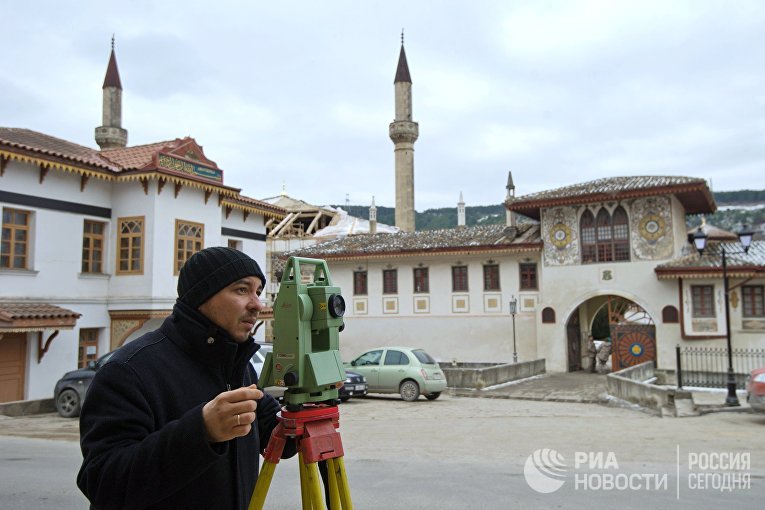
231	413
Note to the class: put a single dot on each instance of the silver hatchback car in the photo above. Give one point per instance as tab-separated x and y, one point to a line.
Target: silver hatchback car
404	370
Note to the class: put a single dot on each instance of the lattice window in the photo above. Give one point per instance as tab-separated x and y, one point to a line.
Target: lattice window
421	282
621	235
604	229
390	281
189	238
360	283
88	348
702	297
93	246
14	249
130	245
459	278
753	303
491	277
528	274
589	240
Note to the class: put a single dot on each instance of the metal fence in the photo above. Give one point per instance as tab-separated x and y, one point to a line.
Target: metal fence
707	367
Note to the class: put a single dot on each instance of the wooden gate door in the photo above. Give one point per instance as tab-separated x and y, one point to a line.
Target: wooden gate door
12	362
574	337
633	344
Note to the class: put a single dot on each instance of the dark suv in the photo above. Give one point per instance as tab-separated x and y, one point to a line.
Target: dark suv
71	388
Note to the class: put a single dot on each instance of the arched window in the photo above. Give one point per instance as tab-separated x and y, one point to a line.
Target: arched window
621	235
587	233
605	237
548	316
669	315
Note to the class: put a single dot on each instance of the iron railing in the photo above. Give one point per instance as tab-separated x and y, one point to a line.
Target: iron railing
707	367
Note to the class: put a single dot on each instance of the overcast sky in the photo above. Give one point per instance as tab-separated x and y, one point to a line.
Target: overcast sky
300	94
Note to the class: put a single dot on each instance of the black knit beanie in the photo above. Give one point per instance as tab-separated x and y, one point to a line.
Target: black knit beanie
208	271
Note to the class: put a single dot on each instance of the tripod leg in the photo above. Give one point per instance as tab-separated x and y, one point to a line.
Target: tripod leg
333	499
305	492
262	485
342	483
313	486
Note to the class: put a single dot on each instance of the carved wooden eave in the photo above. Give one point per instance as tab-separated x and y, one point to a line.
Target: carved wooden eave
163	177
251	206
53	162
690	273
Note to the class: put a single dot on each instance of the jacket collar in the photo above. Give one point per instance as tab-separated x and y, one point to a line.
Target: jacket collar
199	336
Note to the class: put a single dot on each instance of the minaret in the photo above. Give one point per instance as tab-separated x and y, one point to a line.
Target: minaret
111	135
461	212
510	215
373	217
404	132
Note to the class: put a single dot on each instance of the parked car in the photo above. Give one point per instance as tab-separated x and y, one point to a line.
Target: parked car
404	370
755	390
69	392
260	357
355	385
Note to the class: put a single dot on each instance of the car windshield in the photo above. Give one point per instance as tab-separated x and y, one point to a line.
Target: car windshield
103	359
424	357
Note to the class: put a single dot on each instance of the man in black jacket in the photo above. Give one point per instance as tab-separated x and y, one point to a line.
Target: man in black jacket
174	419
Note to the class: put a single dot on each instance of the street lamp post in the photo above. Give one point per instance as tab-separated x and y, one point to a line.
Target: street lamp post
700	241
513	309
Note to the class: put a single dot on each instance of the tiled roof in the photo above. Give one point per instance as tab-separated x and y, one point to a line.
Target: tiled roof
252	203
738	263
692	192
136	157
34	142
14	311
35	316
28	145
460	239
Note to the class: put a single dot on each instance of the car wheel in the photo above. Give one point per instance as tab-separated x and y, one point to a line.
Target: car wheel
433	396
409	390
344	399
68	404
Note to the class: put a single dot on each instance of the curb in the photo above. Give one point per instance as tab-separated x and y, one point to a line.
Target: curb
27	407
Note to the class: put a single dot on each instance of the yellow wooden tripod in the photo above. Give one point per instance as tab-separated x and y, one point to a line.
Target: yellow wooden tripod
314	429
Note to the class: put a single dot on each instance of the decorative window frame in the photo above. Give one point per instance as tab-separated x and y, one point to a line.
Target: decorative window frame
421	304
390	305
460	303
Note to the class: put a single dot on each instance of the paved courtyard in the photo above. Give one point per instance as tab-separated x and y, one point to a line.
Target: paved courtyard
457	451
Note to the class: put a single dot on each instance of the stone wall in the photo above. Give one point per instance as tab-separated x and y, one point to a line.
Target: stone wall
482	375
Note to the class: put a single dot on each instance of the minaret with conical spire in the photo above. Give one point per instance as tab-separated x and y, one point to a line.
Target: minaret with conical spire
509	198
111	135
404	132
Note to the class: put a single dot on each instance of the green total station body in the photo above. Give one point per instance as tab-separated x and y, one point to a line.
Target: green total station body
307	320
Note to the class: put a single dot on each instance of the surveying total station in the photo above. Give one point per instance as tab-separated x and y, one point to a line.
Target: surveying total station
308	317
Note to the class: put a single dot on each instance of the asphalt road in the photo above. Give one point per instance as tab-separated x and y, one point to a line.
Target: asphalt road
470	452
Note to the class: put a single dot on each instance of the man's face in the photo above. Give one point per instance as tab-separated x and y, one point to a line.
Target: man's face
235	307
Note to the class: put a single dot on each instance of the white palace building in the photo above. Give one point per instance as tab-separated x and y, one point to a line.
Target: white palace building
92	241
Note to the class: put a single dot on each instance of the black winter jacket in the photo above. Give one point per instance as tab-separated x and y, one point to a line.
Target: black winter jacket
141	429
